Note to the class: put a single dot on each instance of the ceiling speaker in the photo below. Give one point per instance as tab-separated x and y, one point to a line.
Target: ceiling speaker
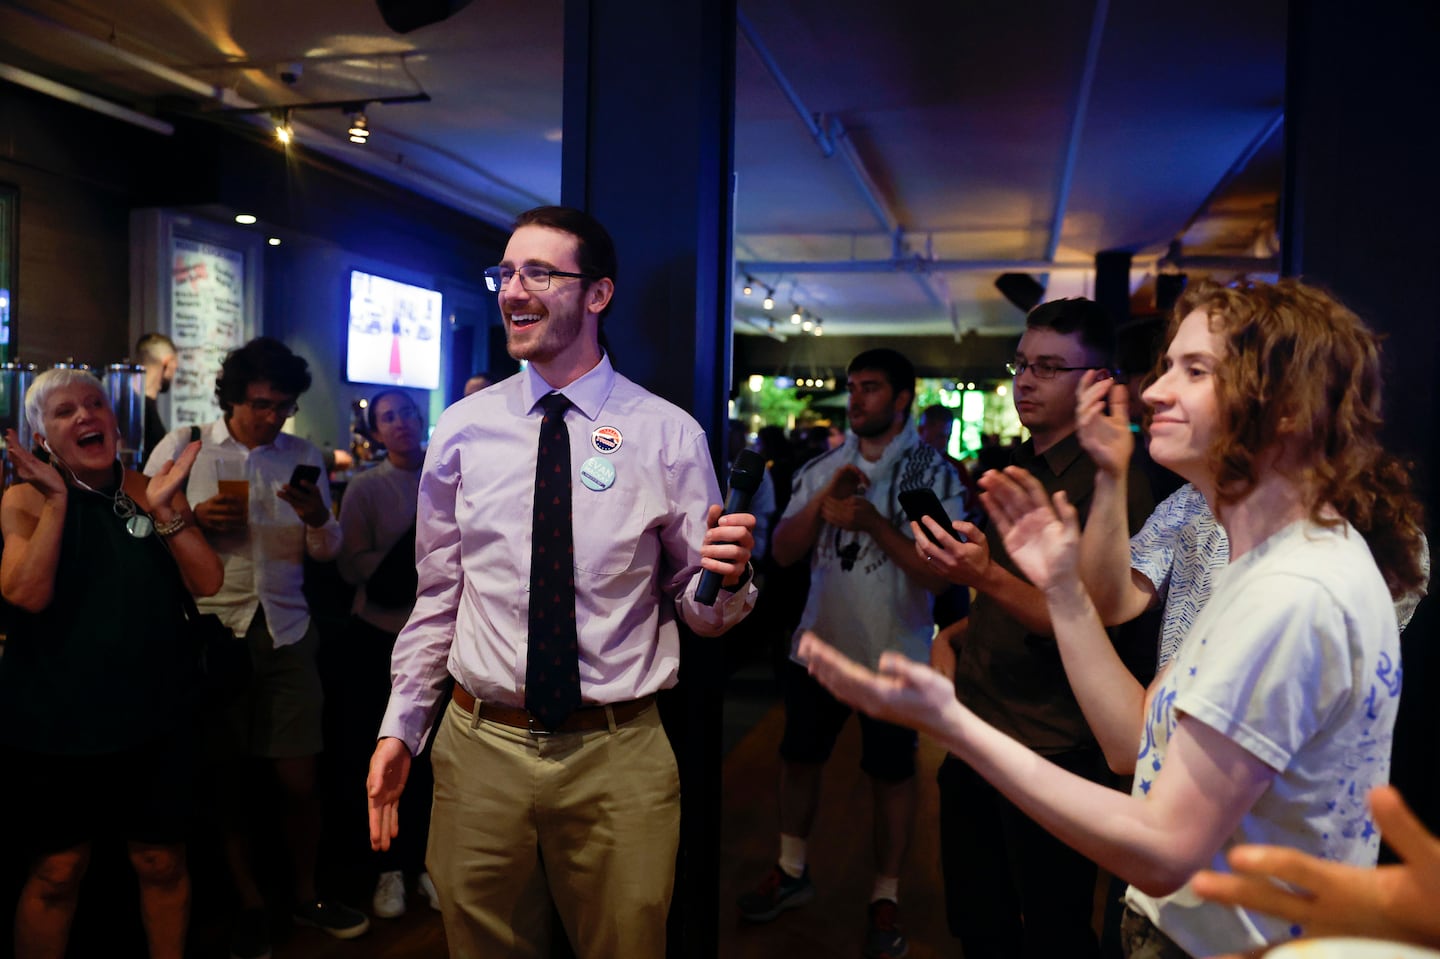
402	16
1168	287
1022	289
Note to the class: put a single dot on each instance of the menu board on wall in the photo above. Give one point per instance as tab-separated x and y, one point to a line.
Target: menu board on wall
207	320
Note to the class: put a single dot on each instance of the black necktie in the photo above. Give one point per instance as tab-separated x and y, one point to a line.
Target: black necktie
552	666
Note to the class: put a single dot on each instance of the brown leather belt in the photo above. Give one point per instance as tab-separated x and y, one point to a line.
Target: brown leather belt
581	720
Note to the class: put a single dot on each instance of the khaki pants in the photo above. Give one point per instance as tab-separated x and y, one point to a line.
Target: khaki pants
587	821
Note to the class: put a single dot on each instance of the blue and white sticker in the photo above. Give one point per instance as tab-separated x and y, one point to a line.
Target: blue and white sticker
606	439
597	474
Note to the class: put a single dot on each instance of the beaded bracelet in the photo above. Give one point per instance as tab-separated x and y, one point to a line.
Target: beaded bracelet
171	527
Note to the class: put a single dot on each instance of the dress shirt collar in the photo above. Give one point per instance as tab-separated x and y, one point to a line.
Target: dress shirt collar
220	435
587	394
1058	458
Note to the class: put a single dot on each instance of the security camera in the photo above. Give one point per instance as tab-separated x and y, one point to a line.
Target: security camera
290	73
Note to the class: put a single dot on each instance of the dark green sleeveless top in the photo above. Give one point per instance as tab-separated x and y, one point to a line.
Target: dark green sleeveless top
106	665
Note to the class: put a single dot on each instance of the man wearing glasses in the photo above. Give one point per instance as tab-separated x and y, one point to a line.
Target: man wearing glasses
1011	889
263	520
564	518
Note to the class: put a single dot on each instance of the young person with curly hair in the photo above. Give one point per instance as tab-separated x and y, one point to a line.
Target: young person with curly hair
1274	719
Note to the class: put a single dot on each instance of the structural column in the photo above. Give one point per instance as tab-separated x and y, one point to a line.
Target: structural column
648	149
1360	211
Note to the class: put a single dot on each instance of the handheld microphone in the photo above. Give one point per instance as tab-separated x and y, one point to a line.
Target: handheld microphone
745	476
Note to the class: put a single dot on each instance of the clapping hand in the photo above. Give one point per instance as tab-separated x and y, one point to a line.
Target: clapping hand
1042	536
171	477
1105	436
29	468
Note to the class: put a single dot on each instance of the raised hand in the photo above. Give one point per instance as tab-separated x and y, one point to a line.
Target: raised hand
1043	538
1105	436
30	469
903	691
1397	902
163	485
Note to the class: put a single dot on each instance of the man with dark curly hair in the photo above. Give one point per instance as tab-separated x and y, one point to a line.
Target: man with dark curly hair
263	516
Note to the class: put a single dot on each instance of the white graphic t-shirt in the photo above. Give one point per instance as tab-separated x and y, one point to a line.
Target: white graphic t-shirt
1295	658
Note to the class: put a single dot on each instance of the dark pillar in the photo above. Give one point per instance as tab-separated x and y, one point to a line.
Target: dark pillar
1112	283
1361	209
649	123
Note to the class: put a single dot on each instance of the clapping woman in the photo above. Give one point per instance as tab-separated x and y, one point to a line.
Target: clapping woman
95	680
1274	719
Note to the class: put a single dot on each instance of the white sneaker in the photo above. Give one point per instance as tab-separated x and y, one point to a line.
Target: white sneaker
389	901
428	888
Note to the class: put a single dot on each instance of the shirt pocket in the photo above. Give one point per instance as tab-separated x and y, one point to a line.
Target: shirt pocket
608	527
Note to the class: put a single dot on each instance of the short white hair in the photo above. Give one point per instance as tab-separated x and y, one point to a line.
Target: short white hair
48	382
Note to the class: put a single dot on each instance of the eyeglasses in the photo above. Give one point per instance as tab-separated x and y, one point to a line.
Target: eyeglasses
532	278
283	410
1048	371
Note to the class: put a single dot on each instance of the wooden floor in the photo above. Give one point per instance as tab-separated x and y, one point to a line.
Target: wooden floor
840	856
107	923
841	865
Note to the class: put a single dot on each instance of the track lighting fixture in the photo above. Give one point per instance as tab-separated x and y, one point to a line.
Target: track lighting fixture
283	131
359	127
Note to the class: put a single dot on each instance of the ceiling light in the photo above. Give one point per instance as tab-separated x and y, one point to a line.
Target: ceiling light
359	127
769	301
273	241
245	219
756	383
283	131
807	326
795	316
1000	390
749	287
819	326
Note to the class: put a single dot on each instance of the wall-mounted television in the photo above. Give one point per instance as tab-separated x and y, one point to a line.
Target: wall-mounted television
393	337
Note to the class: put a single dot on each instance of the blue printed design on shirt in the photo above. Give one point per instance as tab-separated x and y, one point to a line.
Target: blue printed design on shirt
1160	724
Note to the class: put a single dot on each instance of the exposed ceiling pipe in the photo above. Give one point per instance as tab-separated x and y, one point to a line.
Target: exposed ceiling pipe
832	138
1243	160
373	162
80	98
921	265
136	62
811	121
869	192
909	264
1077	126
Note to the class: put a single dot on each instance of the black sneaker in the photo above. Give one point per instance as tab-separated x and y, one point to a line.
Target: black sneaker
777	892
250	939
336	918
884	940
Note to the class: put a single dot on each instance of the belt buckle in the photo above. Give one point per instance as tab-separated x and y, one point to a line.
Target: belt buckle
532	725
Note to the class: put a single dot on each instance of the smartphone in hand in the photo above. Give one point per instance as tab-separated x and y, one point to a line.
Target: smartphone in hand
305	473
924	502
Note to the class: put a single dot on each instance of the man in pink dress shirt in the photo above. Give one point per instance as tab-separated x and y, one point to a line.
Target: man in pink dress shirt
583	821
